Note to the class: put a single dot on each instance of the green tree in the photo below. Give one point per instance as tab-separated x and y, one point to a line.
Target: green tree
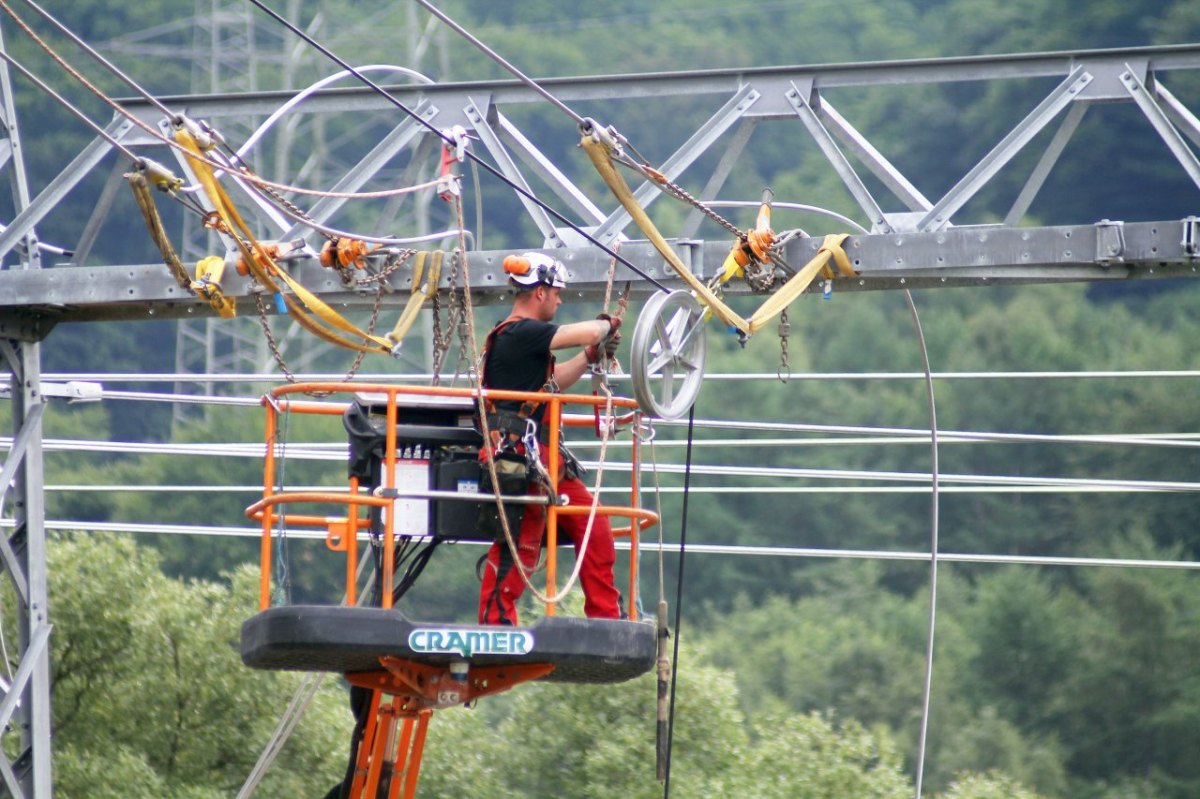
597	741
986	786
150	696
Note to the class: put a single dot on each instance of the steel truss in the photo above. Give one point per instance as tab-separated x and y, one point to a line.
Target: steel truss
26	701
911	241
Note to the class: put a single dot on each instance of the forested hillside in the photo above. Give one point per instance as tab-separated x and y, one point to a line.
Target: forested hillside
799	676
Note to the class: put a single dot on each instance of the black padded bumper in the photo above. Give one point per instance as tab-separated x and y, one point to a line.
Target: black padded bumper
347	639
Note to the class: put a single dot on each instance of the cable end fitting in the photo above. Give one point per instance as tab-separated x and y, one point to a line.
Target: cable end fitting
205	137
160	175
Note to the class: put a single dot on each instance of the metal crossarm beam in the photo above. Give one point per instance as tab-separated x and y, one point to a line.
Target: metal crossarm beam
482	128
834	155
724	82
716	125
973	181
956	256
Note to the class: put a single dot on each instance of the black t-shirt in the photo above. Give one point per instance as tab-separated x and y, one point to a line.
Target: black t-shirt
519	358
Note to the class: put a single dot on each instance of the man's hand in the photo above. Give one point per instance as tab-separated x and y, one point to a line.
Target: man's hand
614	322
607	347
611	344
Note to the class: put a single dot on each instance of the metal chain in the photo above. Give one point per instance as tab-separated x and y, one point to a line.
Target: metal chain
785	329
283	202
442	339
266	326
358	359
277	354
464	349
680	193
461	319
435	359
394	261
759	279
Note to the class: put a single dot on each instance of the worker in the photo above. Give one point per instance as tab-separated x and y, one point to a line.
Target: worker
519	356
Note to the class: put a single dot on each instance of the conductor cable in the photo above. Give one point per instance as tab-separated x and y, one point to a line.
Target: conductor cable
100	131
499	59
87	48
155	134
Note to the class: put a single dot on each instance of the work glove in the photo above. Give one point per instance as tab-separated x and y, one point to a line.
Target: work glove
608	345
607	348
611	344
614	322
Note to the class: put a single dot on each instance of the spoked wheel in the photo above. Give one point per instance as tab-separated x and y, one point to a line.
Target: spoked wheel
667	360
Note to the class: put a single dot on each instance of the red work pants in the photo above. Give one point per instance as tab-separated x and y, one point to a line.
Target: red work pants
503	584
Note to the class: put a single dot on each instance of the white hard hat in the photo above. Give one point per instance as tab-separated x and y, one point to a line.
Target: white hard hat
530	269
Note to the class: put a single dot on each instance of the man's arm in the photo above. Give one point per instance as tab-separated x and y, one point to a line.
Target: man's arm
580	334
576	334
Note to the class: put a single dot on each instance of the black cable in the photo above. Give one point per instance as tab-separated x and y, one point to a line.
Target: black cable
420	559
499	59
448	140
687	482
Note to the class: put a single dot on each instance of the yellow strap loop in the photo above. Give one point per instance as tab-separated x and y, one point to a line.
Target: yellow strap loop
831	249
782	298
417	299
602	160
233	220
731	268
209	272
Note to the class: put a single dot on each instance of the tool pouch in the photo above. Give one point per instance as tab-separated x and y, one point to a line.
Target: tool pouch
513	478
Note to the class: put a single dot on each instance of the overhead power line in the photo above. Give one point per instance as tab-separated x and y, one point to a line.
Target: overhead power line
652	546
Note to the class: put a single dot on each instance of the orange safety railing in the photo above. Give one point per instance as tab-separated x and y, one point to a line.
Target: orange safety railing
342	533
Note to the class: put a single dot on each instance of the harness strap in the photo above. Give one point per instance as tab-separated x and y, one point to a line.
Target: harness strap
528	407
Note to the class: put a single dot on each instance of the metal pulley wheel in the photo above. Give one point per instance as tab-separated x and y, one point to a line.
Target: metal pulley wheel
667	359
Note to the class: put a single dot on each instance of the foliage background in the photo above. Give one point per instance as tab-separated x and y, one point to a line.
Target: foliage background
798	677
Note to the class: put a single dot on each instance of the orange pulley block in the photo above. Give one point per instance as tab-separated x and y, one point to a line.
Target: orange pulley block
343	253
264	258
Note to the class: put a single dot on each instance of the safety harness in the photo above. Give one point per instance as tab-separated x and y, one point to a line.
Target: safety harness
510	430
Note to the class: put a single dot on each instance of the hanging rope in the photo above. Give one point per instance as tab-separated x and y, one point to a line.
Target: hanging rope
687	484
663	672
145	203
